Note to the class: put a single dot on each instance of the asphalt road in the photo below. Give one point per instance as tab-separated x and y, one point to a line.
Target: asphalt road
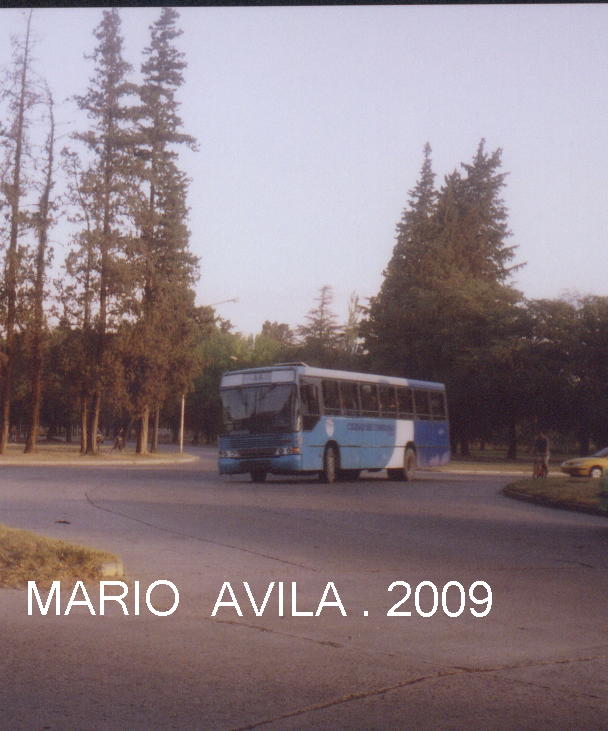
537	660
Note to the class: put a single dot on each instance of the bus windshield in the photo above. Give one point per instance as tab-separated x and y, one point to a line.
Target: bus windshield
258	409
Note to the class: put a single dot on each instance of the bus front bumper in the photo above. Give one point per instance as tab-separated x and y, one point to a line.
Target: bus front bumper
286	464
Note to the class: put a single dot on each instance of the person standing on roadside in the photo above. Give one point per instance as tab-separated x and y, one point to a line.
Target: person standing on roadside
541	455
119	441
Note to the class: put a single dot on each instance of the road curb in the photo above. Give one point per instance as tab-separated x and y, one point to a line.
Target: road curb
112	569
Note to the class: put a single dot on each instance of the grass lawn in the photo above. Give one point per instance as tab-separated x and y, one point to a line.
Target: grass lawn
27	556
470	464
572	493
60	452
495	460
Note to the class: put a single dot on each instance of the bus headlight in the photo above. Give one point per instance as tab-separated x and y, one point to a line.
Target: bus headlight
280	451
230	453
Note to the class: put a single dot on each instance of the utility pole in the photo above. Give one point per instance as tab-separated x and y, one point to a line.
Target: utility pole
181	424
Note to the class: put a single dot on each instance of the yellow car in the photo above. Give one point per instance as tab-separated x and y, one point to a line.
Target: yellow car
592	466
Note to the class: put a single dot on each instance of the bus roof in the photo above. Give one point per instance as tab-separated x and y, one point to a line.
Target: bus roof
305	370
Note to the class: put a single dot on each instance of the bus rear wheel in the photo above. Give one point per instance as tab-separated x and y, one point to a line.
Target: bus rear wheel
330	466
258	475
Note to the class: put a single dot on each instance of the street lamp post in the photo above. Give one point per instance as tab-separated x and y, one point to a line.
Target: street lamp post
223	302
181	423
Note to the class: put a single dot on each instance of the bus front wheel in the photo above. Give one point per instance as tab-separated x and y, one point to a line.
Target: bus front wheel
330	466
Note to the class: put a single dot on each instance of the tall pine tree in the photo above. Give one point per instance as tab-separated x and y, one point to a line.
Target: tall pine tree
36	321
166	268
103	183
387	331
320	336
445	300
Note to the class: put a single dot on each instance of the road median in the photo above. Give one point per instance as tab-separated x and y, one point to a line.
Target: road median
27	556
568	493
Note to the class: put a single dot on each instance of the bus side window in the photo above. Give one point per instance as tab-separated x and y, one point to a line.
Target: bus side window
406	404
421	402
309	398
331	397
369	399
350	398
437	404
388	402
309	401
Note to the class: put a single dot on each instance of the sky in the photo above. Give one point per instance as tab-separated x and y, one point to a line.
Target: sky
311	122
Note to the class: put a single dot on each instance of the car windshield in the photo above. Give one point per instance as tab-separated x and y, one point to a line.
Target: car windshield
258	409
602	453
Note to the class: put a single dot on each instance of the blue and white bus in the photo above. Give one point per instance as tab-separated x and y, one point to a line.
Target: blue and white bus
290	419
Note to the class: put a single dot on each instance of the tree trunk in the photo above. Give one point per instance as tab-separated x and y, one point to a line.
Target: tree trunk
34	425
38	312
99	354
93	425
10	278
512	441
584	442
464	446
154	447
142	432
84	423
